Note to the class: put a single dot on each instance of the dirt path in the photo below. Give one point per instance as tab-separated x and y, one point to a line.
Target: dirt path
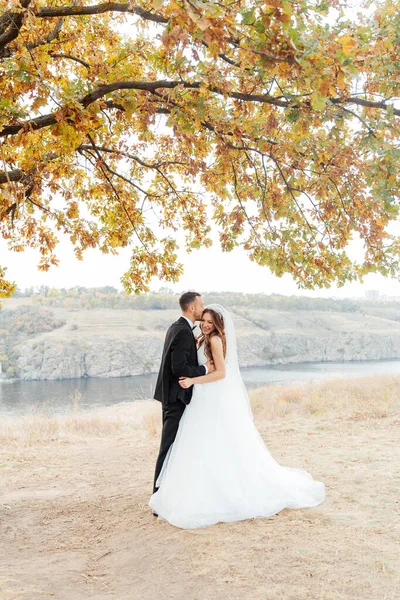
75	523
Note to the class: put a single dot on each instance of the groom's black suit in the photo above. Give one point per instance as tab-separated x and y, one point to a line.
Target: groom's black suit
179	359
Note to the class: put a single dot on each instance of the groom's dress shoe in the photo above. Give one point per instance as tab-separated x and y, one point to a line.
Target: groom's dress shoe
155	514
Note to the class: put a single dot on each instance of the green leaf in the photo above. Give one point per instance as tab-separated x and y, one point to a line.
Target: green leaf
248	16
318	102
293	115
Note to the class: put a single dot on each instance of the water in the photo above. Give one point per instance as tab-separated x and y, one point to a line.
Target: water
24	397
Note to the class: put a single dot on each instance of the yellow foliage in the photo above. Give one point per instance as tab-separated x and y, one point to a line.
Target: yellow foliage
168	112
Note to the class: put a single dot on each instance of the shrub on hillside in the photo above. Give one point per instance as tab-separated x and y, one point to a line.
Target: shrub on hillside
28	320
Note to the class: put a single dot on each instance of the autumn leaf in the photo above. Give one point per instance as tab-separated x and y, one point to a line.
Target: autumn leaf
341	83
348	44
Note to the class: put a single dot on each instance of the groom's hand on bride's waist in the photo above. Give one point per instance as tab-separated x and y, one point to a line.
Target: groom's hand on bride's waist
186	382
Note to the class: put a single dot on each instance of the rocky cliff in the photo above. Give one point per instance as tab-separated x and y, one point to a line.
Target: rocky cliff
101	344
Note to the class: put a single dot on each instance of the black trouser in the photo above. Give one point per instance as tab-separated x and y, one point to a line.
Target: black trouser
171	415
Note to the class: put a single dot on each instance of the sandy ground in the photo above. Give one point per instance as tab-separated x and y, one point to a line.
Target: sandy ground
75	522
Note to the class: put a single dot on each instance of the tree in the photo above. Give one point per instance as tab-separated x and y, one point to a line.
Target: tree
275	120
43	290
107	289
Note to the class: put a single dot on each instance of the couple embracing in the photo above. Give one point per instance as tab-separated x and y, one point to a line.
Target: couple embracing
213	465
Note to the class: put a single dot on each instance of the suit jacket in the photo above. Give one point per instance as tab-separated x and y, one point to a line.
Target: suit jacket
179	359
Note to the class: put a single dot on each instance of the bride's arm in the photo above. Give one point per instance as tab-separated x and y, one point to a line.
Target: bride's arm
219	362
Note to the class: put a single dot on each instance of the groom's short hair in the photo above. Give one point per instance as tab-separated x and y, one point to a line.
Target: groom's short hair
186	299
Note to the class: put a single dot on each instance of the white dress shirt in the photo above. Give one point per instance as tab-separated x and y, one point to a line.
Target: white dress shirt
189	321
191	327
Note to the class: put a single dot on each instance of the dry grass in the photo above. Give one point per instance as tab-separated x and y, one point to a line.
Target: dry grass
41	427
44	429
364	397
76	525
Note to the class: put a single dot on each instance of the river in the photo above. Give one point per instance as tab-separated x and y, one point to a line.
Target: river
25	397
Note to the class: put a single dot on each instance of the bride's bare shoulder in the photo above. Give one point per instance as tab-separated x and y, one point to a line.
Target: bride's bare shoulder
215	341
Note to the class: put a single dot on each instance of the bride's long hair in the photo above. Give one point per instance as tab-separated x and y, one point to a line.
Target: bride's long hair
219	331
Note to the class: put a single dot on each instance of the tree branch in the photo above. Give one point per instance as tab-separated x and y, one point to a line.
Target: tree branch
12	31
121	201
6	20
153	86
70	57
131	156
53	35
96	9
10	25
366	103
11	21
14	175
235	186
10	209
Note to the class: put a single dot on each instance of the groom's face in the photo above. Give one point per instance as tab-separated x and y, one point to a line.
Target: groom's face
198	307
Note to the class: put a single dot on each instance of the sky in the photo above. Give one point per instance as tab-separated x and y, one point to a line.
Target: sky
207	269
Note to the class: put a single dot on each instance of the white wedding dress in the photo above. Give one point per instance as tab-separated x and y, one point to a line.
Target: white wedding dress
218	469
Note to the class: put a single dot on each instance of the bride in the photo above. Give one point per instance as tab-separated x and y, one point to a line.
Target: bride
218	468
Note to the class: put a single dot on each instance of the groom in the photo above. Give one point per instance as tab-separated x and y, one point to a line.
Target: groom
179	359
